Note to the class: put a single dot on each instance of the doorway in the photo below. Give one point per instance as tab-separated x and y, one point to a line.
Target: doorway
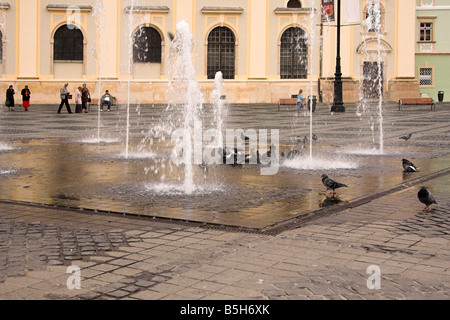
372	79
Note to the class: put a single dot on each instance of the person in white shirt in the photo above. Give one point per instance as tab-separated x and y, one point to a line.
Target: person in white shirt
107	99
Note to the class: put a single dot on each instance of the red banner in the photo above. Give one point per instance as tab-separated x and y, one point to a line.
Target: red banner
327	11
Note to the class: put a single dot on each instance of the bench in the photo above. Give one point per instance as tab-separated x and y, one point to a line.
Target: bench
96	102
286	101
417	101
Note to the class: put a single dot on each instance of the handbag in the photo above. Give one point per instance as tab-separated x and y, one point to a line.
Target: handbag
7	103
89	99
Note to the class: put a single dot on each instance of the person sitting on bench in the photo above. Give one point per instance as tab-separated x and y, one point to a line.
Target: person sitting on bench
107	99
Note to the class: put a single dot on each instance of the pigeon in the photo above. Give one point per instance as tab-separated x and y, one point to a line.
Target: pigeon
268	154
244	138
331	184
293	154
204	164
253	158
226	154
303	140
408	166
314	137
426	198
406	137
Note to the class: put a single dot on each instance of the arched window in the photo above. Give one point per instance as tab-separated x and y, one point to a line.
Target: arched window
374	16
294	4
221	53
147	45
68	44
294	54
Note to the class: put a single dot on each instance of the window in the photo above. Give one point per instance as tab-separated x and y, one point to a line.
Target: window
221	53
68	44
294	4
426	3
426	77
294	54
426	31
374	17
147	45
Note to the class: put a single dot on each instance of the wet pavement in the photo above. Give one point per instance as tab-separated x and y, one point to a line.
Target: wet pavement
69	163
264	238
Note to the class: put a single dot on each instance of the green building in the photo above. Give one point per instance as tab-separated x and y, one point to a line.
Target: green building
433	47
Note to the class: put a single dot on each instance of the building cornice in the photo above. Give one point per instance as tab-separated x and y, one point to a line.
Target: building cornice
64	7
147	9
222	10
432	8
281	10
4	5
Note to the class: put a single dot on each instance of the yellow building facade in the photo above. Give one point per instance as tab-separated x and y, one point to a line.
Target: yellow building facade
267	49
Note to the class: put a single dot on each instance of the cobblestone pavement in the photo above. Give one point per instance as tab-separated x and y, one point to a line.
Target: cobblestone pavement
147	259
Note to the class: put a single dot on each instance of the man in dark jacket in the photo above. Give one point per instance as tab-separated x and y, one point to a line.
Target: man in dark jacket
64	99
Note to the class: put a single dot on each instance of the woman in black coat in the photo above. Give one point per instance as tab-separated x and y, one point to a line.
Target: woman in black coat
10	98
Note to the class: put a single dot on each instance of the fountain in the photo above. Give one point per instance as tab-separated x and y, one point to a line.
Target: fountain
373	61
319	160
130	54
182	74
168	177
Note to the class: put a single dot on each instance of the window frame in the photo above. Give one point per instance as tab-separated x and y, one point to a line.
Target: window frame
225	53
431	76
63	52
427	20
290	2
382	17
290	47
153	56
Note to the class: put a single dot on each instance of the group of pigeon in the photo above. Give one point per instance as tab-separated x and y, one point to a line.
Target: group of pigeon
424	195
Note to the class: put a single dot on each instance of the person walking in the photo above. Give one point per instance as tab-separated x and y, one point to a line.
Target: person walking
300	100
78	101
26	98
85	97
10	98
64	99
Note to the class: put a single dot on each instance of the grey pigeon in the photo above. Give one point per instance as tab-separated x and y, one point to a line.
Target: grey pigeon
408	166
293	154
406	137
314	137
331	184
426	198
244	138
204	164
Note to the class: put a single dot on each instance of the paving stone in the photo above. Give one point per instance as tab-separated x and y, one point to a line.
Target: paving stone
118	294
144	283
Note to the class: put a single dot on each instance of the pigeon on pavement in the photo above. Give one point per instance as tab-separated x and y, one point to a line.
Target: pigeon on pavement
406	137
331	184
293	154
426	198
408	166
